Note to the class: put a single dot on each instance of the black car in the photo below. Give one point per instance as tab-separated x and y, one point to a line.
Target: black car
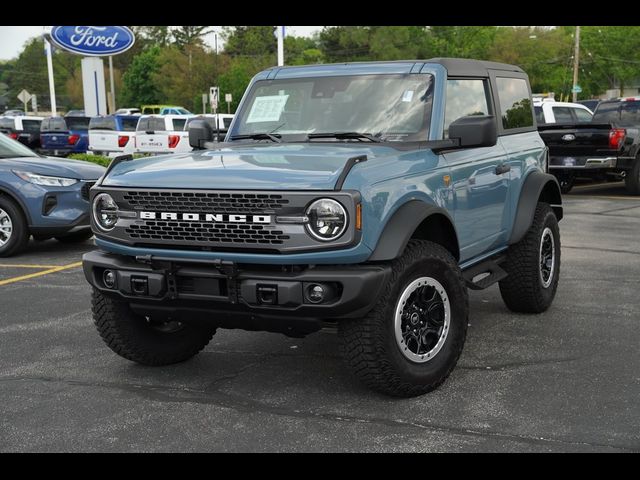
25	129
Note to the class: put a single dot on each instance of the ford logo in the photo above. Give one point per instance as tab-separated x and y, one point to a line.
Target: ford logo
93	41
568	137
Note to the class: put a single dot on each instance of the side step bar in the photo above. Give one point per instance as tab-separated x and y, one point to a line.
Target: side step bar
491	267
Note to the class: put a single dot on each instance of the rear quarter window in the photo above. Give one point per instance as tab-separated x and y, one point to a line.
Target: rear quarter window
31	126
129	124
178	123
515	103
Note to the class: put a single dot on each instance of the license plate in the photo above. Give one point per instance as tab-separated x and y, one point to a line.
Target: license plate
568	161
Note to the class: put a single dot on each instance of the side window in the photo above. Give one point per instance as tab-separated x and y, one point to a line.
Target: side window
464	98
539	115
582	115
563	114
515	103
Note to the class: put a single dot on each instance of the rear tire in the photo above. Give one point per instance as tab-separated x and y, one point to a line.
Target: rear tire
76	237
140	340
14	232
381	349
632	179
533	265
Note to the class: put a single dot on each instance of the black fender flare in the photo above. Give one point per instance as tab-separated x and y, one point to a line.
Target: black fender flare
536	186
401	226
18	201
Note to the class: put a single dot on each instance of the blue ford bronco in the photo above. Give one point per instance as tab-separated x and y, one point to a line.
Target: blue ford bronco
363	196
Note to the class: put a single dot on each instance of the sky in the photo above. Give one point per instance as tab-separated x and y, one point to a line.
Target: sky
12	39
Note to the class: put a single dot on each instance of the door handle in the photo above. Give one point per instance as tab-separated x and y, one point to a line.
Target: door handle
503	168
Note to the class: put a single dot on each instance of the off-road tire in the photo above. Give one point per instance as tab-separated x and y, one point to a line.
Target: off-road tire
368	345
76	237
632	179
523	290
20	230
130	336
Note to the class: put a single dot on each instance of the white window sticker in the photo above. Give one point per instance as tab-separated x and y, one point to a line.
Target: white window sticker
267	109
408	96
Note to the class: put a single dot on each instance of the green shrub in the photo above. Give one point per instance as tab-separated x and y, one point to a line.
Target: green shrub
99	159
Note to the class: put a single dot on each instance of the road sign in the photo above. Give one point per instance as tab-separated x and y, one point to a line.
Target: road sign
24	96
214	95
576	89
228	98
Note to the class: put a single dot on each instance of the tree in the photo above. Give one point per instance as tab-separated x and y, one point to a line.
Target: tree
190	35
250	41
139	86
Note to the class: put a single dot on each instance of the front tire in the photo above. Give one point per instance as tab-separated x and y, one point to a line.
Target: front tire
409	343
140	339
14	233
533	265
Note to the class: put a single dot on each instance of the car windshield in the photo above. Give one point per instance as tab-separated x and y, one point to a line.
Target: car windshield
622	114
77	123
389	107
10	148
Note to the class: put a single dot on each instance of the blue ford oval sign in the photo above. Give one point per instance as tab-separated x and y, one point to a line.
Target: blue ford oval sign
93	41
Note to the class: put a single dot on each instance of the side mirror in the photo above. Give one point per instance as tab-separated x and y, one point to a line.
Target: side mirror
474	131
200	132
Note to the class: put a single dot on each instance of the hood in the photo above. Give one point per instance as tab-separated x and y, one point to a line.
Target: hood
252	167
56	167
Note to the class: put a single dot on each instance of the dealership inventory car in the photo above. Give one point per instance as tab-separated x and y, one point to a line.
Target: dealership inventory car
61	136
561	112
113	135
43	197
158	134
24	129
366	197
219	122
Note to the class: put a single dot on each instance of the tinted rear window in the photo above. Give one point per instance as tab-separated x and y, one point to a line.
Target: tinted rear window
102	123
31	126
151	124
129	124
624	114
53	125
178	123
77	123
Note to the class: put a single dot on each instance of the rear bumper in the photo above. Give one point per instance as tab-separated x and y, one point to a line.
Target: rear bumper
216	289
591	163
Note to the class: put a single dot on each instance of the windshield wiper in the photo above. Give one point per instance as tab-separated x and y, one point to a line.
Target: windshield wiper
339	135
259	136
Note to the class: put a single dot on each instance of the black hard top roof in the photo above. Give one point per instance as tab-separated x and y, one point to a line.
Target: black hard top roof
464	67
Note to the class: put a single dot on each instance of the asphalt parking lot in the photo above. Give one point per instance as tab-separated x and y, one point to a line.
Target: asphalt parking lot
566	380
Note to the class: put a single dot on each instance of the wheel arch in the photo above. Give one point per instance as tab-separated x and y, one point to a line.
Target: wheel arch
5	192
416	220
537	187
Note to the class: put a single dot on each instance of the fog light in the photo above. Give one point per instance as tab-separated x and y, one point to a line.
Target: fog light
109	278
316	293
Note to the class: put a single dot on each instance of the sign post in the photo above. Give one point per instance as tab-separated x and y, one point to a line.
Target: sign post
228	98
92	42
24	97
52	88
34	103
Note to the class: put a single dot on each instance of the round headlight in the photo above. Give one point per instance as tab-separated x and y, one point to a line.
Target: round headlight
105	211
327	219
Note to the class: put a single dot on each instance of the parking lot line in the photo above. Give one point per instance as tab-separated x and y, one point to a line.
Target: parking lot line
6	265
39	274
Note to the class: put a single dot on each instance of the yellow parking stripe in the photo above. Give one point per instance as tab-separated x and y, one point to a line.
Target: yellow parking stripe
39	274
6	265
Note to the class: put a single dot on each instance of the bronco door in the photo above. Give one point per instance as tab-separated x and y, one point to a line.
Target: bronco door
479	176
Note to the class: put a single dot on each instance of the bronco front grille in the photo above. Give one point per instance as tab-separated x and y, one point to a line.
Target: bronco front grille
205	201
230	233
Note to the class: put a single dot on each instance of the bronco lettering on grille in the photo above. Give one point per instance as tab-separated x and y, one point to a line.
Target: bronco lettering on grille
206	217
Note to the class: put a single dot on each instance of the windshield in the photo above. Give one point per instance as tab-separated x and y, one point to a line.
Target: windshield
77	123
391	107
11	148
623	114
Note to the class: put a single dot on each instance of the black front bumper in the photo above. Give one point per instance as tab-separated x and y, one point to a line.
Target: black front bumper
232	296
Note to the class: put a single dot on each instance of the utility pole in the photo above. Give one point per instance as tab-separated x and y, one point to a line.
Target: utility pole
576	63
113	87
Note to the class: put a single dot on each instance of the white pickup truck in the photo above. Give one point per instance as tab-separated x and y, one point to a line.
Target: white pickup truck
549	111
113	135
224	121
158	134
